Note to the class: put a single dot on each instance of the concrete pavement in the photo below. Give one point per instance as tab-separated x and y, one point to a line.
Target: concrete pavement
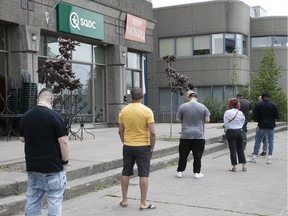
260	191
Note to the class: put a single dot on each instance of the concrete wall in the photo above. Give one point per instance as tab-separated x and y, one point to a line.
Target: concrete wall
24	17
270	26
198	19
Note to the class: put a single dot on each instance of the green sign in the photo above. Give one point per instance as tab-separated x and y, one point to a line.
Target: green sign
75	20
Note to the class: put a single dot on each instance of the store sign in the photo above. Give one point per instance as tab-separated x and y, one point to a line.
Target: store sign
135	28
75	20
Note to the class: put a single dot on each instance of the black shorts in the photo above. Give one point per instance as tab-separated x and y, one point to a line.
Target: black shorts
139	154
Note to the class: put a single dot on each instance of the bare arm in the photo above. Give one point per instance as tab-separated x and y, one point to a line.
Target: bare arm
152	133
22	139
207	119
64	147
121	132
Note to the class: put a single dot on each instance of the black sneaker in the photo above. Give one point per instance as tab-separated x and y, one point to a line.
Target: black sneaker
263	154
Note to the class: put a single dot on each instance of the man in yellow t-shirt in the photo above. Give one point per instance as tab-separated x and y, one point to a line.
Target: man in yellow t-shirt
137	133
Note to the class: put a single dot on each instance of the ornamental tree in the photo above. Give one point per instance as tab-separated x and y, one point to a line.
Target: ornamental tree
57	74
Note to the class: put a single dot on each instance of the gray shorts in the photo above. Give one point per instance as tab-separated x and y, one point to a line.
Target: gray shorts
141	155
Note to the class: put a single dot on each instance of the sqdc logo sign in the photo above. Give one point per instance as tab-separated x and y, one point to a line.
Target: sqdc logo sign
76	22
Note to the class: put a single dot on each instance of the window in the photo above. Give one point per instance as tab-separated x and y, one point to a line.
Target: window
133	60
280	41
239	43
229	43
99	93
88	64
217	43
245	52
82	53
99	54
166	47
261	42
202	45
184	46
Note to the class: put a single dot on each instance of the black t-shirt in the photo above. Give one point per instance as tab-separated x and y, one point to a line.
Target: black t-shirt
41	128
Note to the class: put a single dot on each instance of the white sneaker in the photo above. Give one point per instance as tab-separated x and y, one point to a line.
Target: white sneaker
198	175
179	175
252	159
269	161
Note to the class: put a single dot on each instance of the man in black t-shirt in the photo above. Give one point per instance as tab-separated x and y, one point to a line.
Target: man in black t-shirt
46	153
245	107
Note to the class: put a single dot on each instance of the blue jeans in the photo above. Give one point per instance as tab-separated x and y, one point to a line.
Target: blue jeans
259	137
52	185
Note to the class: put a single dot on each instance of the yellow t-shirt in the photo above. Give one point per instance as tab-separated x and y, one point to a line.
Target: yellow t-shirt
135	117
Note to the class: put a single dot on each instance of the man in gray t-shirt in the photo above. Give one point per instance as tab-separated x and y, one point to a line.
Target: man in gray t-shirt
193	116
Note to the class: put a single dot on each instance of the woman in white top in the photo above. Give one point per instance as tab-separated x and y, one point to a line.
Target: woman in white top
234	120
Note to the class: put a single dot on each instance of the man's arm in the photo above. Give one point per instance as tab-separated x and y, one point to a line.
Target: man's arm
64	147
152	135
207	119
121	132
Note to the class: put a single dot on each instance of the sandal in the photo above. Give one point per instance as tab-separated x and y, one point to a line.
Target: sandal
232	170
244	169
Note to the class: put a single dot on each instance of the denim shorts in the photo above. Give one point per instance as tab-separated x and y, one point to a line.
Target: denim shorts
52	185
139	154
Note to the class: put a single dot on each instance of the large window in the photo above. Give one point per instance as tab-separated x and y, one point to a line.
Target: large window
3	61
88	64
202	45
261	42
280	41
133	73
229	43
184	46
217	43
166	47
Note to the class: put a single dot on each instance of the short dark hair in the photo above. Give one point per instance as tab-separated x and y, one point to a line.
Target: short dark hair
265	96
190	86
136	93
239	96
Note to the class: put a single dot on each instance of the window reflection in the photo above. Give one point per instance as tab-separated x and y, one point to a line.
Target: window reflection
99	84
82	53
217	44
83	72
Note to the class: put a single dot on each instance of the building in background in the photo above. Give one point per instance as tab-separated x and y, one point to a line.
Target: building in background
114	35
203	36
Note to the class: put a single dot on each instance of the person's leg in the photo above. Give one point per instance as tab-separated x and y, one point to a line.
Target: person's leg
34	194
265	144
197	146
128	164
270	134
143	158
240	151
55	188
184	150
143	182
244	134
231	138
258	138
124	188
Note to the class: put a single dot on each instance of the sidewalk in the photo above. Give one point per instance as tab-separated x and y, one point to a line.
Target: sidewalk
262	190
219	193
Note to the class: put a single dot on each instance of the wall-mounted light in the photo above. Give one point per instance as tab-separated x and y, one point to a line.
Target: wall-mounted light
124	54
34	37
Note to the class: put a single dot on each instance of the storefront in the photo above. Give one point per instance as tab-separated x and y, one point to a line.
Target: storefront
114	37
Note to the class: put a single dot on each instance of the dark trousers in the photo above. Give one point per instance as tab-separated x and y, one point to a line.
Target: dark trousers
197	147
235	142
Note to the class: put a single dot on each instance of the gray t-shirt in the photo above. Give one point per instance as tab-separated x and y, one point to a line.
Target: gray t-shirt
192	116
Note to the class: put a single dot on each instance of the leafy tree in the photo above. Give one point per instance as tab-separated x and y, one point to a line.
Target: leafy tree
234	75
57	74
266	81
